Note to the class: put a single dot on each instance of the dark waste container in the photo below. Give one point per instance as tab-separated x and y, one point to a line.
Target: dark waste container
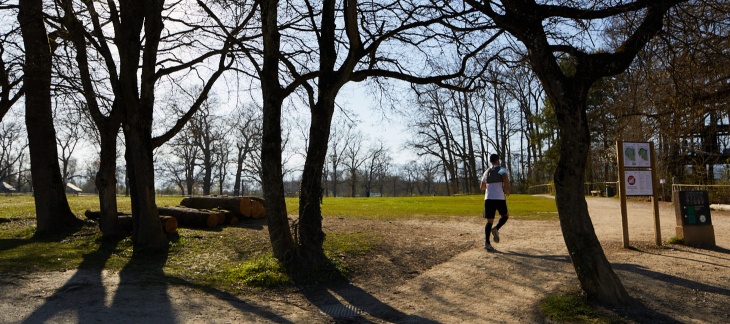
610	191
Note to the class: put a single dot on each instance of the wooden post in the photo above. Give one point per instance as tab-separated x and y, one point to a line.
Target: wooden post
622	192
655	203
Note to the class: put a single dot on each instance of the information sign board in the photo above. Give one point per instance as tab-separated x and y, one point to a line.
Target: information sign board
638	183
636	155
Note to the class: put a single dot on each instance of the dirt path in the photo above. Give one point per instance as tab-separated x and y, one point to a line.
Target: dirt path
675	283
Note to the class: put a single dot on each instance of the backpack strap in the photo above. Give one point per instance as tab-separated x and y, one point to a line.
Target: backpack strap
493	174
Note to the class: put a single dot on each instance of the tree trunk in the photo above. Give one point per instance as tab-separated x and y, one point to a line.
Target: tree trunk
311	236
595	274
138	101
207	172
282	243
148	233
53	213
106	183
239	172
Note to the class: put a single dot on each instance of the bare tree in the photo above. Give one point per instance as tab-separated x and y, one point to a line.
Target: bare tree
354	157
246	131
340	138
182	166
53	213
536	27
373	168
68	137
12	151
11	69
207	132
141	66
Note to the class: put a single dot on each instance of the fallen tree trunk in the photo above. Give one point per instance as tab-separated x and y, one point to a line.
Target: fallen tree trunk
169	224
190	217
229	217
95	215
252	207
126	223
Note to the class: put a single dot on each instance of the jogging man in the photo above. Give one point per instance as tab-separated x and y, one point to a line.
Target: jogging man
496	183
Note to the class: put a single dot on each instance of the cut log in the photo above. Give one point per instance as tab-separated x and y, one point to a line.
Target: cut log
94	215
229	217
169	224
190	217
252	207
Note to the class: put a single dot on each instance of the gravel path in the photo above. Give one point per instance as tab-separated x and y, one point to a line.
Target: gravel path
675	283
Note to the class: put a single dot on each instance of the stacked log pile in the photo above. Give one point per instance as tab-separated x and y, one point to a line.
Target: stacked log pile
247	207
199	212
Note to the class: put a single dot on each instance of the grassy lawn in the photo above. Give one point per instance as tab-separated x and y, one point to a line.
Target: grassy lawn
228	258
389	208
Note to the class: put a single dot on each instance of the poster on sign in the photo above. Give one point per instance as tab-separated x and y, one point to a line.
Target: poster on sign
638	183
637	155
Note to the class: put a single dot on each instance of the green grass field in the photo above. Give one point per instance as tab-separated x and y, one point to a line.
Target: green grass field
223	257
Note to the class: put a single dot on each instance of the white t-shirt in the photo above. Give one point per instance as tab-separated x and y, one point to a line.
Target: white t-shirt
495	190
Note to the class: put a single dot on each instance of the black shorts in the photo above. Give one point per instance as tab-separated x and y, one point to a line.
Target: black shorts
491	206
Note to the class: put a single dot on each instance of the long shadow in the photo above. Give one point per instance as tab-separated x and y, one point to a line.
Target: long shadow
637	311
8	244
688	259
556	258
255	223
141	283
670	279
87	280
357	302
716	249
231	299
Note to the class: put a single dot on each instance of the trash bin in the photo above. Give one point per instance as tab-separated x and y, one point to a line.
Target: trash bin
610	192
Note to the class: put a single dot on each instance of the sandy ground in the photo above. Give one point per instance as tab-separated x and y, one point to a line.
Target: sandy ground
675	283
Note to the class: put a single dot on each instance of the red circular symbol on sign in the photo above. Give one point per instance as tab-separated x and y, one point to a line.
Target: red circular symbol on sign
632	180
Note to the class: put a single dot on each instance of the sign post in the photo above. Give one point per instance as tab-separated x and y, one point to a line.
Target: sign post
636	168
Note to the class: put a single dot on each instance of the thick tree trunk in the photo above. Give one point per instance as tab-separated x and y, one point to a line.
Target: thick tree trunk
311	236
148	231
52	211
106	183
282	242
595	274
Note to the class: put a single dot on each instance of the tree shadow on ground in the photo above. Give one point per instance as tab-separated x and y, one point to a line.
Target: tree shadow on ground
231	299
9	244
88	279
252	223
637	312
670	279
556	258
345	301
141	295
692	252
